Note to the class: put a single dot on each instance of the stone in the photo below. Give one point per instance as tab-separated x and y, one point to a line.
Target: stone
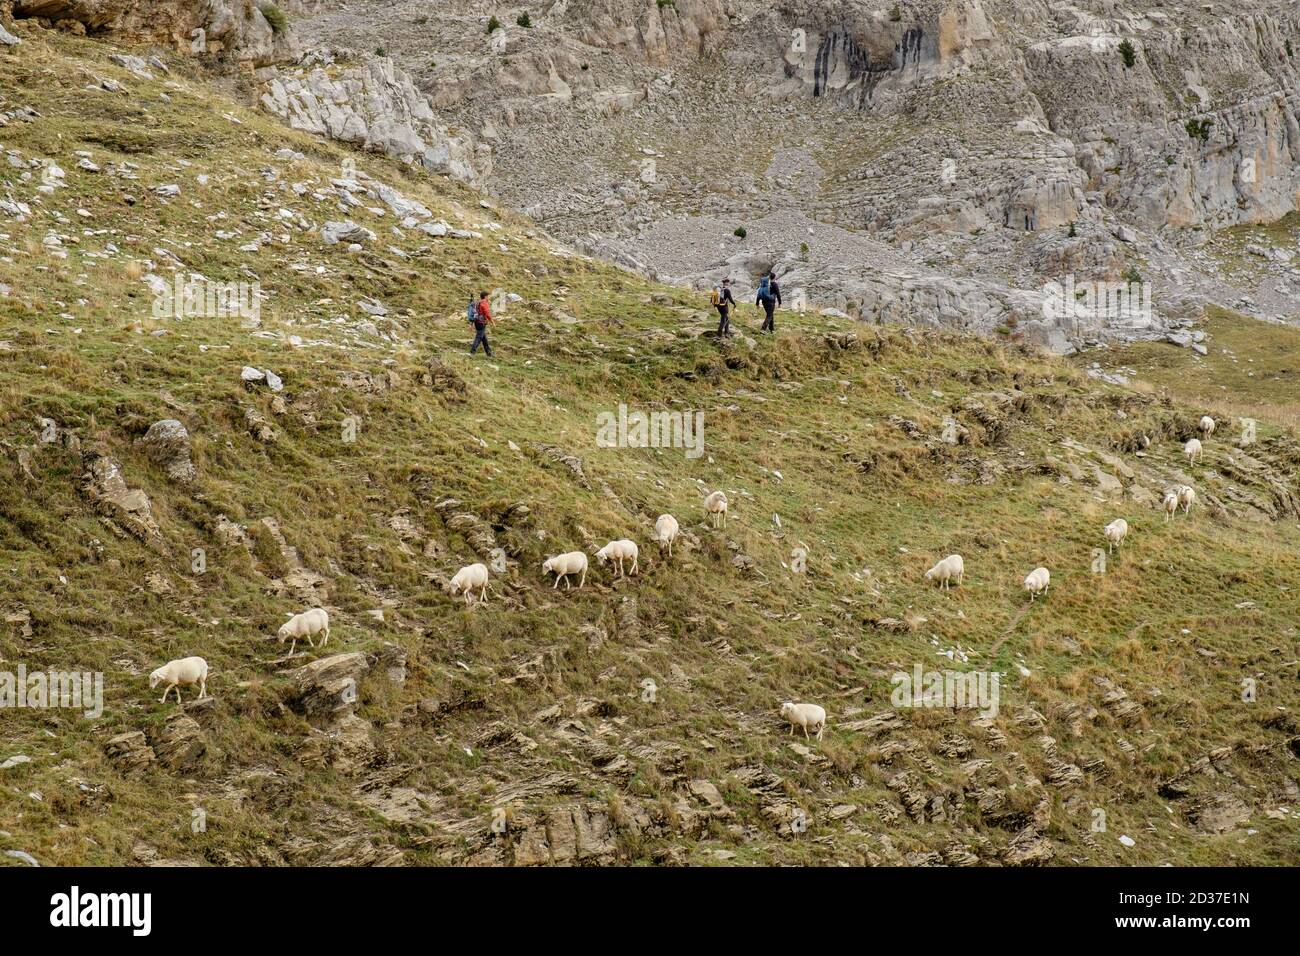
167	443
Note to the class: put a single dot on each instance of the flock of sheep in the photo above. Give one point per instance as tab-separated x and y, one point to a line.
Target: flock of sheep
624	554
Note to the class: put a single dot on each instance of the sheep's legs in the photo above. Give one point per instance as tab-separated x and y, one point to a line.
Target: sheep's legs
634	560
805	731
203	688
584	578
820	728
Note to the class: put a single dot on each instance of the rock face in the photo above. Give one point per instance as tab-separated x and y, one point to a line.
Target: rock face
375	106
167	443
953	158
214	30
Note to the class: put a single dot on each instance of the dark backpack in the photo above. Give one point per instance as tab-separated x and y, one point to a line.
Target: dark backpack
471	313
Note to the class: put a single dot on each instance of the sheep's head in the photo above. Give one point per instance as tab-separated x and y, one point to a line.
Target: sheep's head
155	678
602	555
451	587
787	708
548	565
929	575
283	632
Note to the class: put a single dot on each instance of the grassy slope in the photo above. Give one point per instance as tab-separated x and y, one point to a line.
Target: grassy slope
723	645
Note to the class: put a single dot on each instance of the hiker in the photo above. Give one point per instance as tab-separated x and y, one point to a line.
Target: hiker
723	300
769	297
480	314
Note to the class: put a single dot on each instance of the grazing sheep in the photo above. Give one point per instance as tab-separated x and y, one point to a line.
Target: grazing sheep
1186	497
666	529
1207	427
467	579
188	671
716	505
563	565
947	569
805	716
1116	532
307	624
620	551
1192	450
1170	504
1036	582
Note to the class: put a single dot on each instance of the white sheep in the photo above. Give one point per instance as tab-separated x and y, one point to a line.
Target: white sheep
666	529
1036	582
1116	532
307	624
716	505
188	671
620	551
1192	450
947	569
1170	504
571	562
1186	497
1207	427
467	579
804	716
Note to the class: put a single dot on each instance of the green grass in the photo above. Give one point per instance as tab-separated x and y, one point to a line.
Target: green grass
724	646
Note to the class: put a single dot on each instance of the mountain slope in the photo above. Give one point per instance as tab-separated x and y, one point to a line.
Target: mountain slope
525	731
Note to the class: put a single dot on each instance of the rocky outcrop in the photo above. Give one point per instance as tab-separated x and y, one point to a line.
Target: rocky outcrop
376	106
125	507
215	30
167	443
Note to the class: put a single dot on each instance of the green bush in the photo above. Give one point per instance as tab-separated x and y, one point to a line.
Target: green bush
741	232
525	20
1199	129
275	17
1128	53
493	25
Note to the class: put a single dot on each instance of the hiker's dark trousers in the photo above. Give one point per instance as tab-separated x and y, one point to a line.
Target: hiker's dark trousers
724	320
769	323
480	338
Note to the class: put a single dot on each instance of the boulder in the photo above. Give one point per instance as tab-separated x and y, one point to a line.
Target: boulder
167	444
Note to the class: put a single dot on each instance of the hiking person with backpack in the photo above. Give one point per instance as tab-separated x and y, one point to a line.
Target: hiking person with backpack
769	297
723	301
480	314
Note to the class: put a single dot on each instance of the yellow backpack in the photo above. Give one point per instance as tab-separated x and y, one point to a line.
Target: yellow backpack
715	296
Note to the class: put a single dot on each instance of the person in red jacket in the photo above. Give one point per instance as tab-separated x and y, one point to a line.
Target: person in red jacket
481	319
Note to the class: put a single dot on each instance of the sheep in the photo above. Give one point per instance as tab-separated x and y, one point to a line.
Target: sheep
804	716
187	671
1036	582
947	569
716	505
563	565
1170	504
467	579
1116	532
620	551
666	529
1207	427
307	624
1192	450
1186	497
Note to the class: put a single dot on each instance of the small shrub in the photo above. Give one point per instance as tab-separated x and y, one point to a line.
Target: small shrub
1072	233
1289	50
276	17
380	51
741	232
493	25
666	3
525	20
1128	53
1199	129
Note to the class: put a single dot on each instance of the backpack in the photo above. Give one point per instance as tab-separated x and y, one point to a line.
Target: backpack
471	312
765	288
715	297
